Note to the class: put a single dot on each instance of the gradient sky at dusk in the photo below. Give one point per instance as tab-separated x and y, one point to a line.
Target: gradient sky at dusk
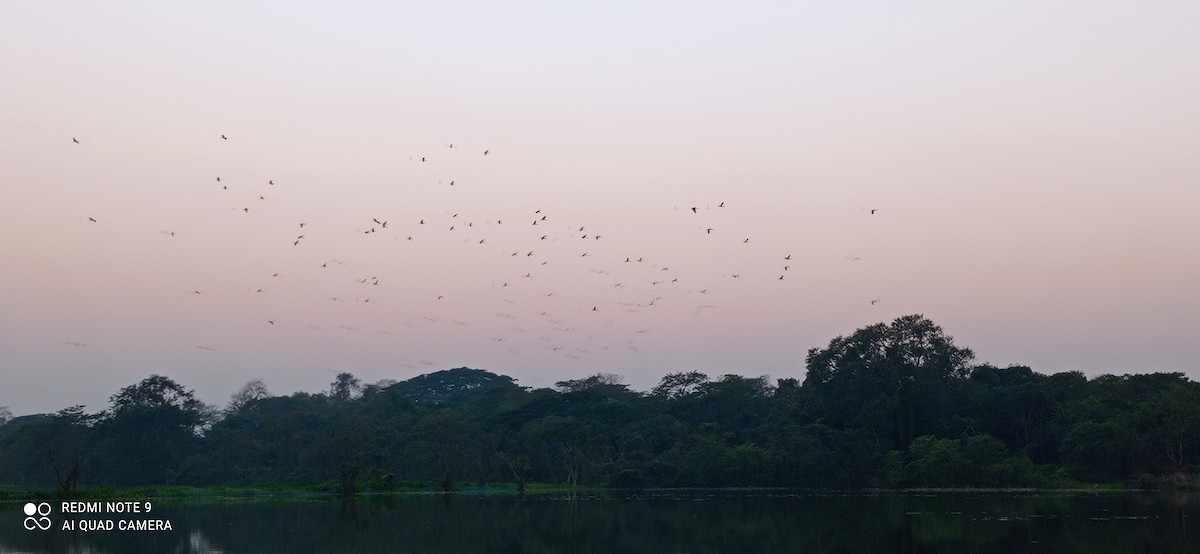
1034	168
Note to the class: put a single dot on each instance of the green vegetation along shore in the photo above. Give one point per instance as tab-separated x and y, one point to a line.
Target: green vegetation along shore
890	406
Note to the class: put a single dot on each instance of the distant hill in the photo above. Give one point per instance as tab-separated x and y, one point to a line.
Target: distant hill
449	386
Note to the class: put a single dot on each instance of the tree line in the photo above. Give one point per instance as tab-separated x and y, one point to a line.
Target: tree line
891	405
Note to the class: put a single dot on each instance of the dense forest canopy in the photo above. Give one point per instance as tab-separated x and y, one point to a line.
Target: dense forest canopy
890	405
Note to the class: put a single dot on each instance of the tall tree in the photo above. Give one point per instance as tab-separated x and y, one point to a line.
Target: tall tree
890	379
151	428
344	387
255	389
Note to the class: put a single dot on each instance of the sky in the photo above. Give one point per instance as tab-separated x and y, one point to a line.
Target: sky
1022	173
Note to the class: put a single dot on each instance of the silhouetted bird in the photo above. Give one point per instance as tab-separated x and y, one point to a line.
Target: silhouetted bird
223	137
694	209
75	140
873	210
92	220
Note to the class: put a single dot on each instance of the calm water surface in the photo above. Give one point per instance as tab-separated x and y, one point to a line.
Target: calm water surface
649	521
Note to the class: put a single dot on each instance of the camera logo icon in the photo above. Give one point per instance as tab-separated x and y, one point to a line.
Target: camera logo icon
37	516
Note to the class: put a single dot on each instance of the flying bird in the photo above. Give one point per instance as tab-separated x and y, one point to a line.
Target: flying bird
694	209
92	220
873	210
75	140
223	137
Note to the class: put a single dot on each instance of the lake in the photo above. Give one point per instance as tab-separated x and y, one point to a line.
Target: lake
695	521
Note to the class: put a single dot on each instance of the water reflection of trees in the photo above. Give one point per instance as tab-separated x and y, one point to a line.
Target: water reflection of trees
656	521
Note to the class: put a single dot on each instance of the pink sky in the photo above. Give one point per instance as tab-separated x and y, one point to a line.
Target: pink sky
1033	168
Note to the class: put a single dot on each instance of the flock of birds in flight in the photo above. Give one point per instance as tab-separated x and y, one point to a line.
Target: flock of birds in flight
539	235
